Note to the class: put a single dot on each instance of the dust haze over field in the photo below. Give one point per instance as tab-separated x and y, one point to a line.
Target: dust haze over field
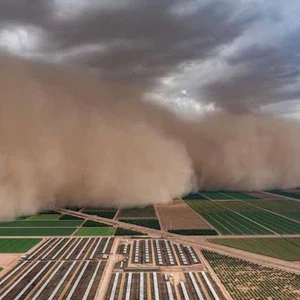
68	139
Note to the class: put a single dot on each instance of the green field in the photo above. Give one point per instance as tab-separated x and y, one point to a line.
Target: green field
150	223
282	248
91	223
27	223
246	280
145	212
215	195
36	231
239	217
69	217
109	214
239	195
224	220
193	196
286	193
194	231
95	231
124	231
45	217
17	245
288	208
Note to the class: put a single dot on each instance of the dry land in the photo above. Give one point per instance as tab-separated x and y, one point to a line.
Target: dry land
180	216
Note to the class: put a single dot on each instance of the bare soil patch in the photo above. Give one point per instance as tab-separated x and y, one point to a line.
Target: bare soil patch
180	216
7	259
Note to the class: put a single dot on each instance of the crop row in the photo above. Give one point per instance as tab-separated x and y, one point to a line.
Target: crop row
282	248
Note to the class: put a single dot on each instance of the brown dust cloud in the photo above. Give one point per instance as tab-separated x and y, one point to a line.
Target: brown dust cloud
70	139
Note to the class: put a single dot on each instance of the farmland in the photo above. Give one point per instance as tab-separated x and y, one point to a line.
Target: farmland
178	215
238	217
36	231
287	208
246	280
286	194
45	217
150	223
39	224
123	231
104	213
281	248
224	220
95	231
145	212
17	245
194	231
214	195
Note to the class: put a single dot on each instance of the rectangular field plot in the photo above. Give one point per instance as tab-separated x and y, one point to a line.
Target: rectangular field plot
286	194
215	195
240	217
17	245
246	280
225	220
45	217
150	223
282	248
124	231
193	231
95	231
288	208
145	212
36	231
274	222
193	196
28	223
180	216
239	195
103	213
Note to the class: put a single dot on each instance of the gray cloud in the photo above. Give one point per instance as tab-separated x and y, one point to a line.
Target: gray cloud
234	54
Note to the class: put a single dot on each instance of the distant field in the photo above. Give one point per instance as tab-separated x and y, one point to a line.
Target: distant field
95	231
194	231
237	217
240	195
36	231
109	214
180	216
193	196
124	231
247	280
69	217
27	223
286	193
150	223
17	245
288	208
282	248
45	217
224	220
215	195
91	223
145	212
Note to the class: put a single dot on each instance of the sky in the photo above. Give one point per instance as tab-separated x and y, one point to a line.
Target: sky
192	55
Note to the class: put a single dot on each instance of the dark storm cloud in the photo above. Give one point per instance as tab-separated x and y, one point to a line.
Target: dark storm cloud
149	42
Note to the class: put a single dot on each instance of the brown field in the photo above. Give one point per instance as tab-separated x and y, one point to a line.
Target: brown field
179	216
7	259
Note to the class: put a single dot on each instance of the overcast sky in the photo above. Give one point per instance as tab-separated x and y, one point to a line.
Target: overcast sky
196	55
